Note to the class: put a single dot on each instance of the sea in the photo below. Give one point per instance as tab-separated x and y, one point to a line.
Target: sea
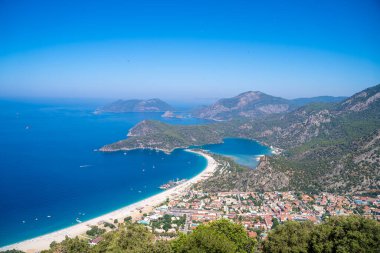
52	176
243	151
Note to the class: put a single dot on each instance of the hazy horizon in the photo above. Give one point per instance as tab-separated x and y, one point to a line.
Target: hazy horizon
187	51
187	101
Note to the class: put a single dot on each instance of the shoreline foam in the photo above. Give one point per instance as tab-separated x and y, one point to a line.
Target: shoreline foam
43	242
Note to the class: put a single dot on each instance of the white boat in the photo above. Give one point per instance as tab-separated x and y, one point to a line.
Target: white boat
78	220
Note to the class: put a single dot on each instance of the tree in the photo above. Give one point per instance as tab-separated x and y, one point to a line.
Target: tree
95	231
343	234
12	251
346	234
128	219
218	236
204	240
132	238
275	223
162	246
290	237
69	245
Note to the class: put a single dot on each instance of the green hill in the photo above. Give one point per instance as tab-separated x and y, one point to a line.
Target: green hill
328	146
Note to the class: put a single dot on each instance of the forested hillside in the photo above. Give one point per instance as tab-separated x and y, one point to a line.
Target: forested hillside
327	147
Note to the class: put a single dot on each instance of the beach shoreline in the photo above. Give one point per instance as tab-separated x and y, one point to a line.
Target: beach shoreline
43	242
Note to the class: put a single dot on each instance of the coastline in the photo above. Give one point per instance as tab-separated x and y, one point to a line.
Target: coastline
43	242
166	151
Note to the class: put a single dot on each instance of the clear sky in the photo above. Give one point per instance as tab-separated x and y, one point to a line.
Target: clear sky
188	49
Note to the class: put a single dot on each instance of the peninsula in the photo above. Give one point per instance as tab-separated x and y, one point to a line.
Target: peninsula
328	146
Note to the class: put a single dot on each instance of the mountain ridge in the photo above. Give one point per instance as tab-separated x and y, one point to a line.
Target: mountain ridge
248	104
135	105
255	104
327	146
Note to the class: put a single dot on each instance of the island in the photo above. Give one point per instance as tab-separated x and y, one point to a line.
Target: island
135	105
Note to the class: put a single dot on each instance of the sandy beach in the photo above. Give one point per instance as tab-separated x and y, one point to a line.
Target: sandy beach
42	242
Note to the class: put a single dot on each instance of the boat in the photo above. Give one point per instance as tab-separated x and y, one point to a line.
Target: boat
172	183
78	220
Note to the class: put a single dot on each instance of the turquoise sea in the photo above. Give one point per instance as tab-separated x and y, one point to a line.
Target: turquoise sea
242	151
50	174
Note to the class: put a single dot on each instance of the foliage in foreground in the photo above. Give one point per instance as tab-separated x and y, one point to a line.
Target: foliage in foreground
220	236
354	234
338	234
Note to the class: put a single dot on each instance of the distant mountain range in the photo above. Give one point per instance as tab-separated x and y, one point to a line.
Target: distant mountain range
253	104
332	147
135	105
320	99
250	104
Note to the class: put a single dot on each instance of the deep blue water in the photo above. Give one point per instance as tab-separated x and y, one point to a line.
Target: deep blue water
48	166
50	174
243	151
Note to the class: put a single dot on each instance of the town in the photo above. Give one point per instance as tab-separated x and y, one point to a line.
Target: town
257	212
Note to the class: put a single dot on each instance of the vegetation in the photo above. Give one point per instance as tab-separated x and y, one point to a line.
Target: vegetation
328	147
158	135
135	105
110	225
166	222
219	236
227	177
216	237
128	219
12	251
342	234
337	234
69	245
95	231
251	104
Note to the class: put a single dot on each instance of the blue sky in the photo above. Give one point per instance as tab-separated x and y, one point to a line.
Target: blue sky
190	50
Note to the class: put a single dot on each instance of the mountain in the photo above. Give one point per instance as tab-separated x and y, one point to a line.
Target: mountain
353	117
328	147
320	99
161	136
249	104
135	105
255	104
332	147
